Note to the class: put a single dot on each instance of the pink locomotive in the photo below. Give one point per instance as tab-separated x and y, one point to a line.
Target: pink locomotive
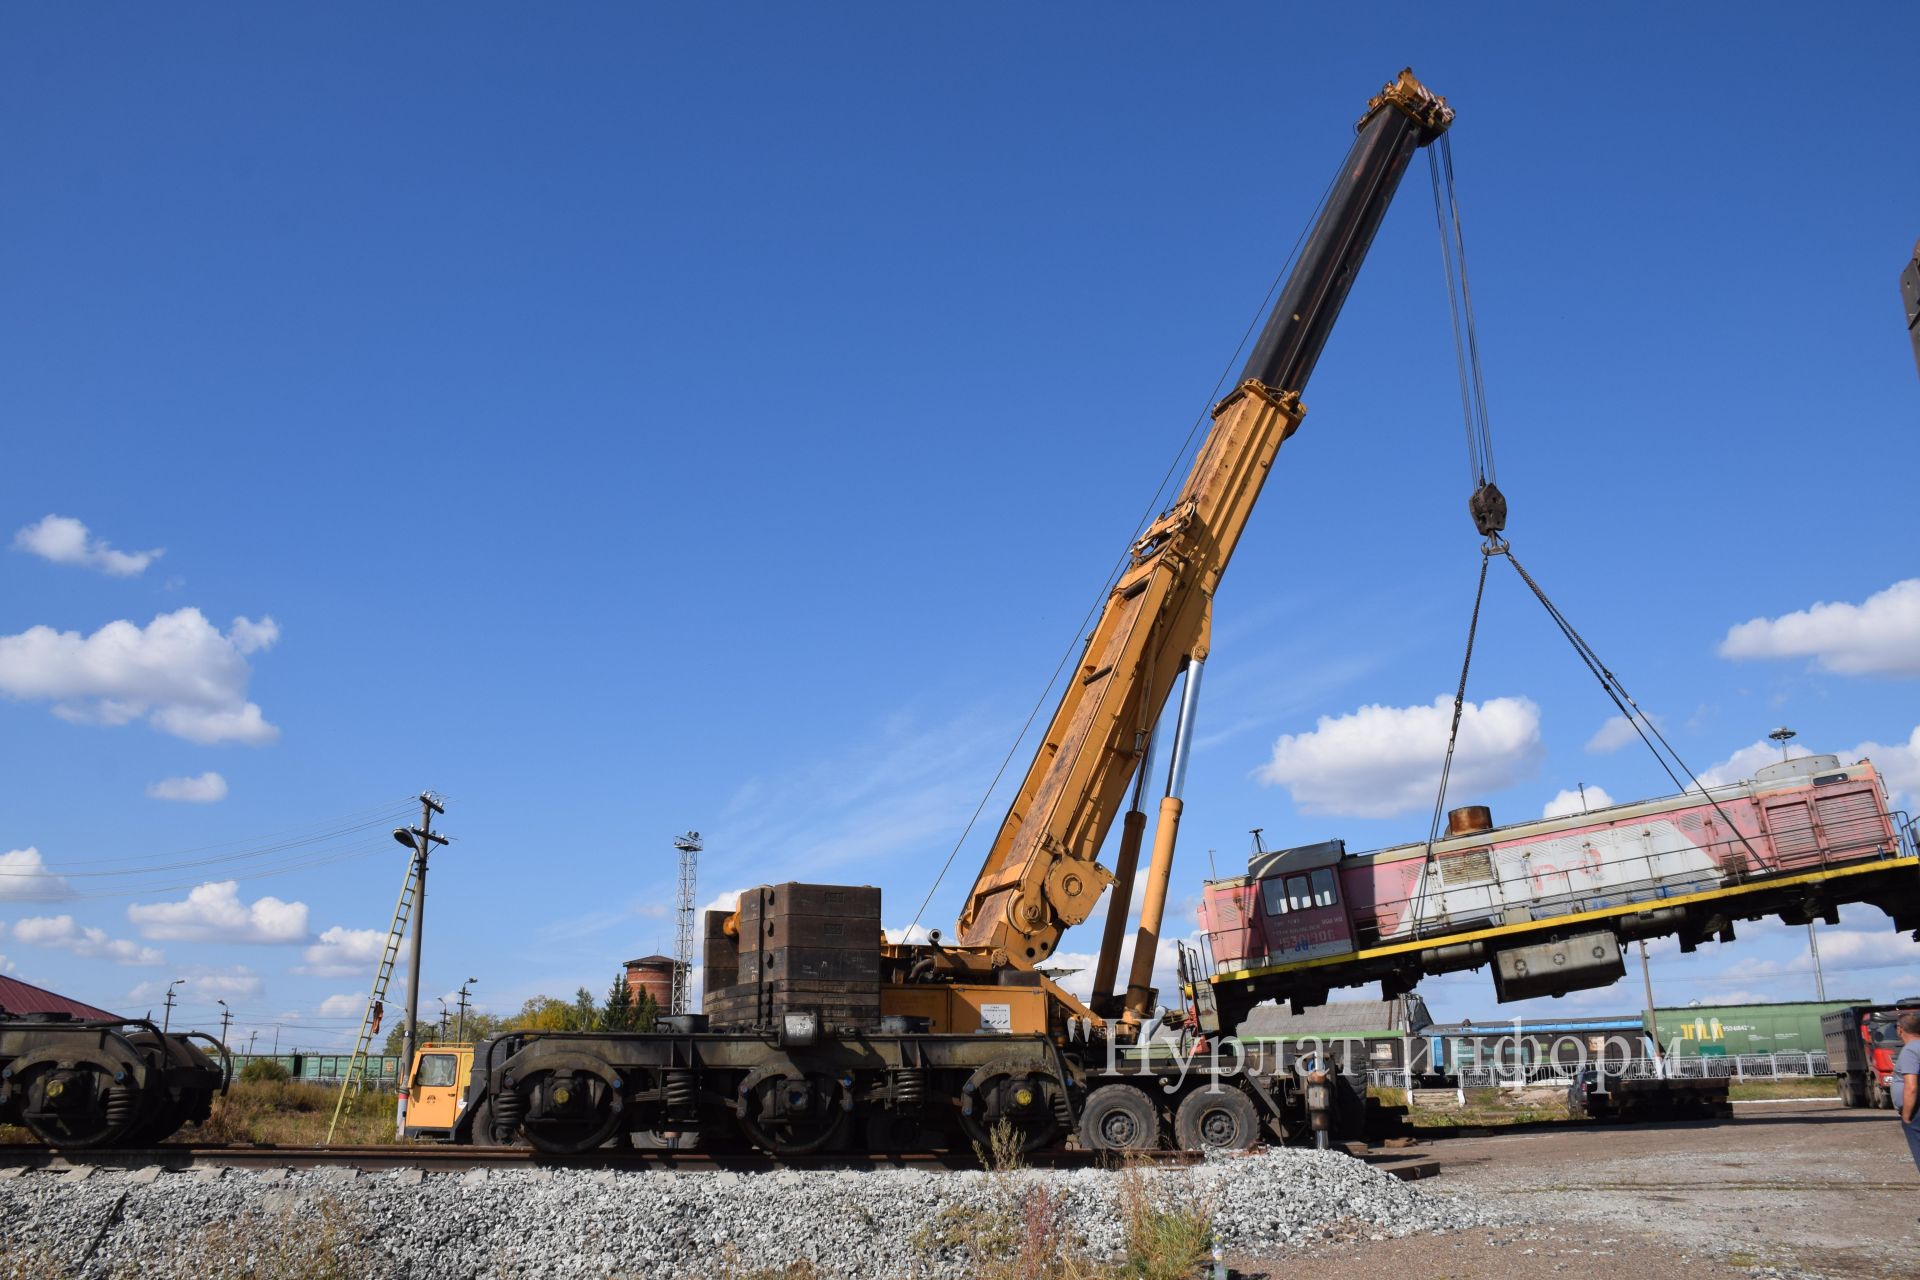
1548	902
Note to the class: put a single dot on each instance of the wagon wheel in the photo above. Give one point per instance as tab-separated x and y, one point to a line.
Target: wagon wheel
569	1110
76	1106
790	1115
1028	1098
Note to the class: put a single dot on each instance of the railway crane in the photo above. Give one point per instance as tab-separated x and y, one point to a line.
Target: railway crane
816	1034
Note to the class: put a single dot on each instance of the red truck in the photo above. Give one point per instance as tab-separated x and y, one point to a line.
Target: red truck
1861	1046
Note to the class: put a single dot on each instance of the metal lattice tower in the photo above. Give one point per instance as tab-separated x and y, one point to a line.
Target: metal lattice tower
689	846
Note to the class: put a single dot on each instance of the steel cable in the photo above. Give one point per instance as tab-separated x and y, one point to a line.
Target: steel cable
1106	588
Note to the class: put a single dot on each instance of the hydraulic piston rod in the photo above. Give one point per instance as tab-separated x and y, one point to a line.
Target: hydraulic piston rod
1146	943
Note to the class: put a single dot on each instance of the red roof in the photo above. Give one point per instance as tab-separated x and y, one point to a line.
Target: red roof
23	997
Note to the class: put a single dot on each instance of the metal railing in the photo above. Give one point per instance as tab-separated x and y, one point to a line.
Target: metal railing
1552	891
1735	1067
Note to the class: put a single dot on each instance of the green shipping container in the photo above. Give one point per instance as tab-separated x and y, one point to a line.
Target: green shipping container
1727	1030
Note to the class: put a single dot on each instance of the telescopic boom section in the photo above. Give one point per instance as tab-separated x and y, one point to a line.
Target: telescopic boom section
1041	876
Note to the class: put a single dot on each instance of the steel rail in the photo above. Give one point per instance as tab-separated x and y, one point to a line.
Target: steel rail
458	1159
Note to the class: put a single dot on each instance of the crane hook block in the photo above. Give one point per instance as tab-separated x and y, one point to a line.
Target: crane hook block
1489	508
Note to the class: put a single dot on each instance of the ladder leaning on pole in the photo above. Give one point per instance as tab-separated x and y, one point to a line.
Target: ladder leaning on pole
355	1080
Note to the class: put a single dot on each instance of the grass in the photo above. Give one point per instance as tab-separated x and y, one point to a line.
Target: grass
1806	1087
1023	1233
292	1115
278	1112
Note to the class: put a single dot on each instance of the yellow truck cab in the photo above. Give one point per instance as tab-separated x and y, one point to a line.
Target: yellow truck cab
437	1090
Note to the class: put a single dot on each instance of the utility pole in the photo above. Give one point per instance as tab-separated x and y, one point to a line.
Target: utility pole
167	1020
1653	1019
226	1020
443	1018
421	840
460	1033
689	846
251	1037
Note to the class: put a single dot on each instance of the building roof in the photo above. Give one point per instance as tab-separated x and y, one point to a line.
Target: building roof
1403	1013
1497	1026
23	997
647	962
1704	1007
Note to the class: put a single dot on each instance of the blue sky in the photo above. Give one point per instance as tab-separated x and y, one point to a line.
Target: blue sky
629	421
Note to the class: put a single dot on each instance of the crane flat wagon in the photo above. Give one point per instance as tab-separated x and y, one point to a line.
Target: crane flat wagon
1547	904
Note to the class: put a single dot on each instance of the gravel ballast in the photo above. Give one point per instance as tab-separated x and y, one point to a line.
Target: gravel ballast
856	1224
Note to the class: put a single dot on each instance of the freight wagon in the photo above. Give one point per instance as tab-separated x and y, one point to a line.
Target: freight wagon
380	1070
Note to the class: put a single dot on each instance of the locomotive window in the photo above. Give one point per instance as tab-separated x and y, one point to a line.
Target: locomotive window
1299	896
436	1070
1323	891
1276	896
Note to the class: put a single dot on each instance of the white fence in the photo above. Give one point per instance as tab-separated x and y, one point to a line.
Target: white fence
1746	1066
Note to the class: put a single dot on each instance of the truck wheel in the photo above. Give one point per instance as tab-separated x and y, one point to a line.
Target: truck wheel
1882	1097
1221	1119
1849	1092
1119	1117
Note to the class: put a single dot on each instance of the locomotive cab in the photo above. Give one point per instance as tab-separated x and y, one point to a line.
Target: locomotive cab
1287	908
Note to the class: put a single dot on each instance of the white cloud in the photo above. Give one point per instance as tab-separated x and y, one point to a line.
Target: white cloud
214	913
178	670
1898	764
1616	733
1570	802
205	789
728	901
60	932
206	984
342	1006
249	636
343	952
64	540
24	878
1380	761
1745	762
1878	637
913	933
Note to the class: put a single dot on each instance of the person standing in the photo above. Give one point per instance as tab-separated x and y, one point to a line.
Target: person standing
1906	1080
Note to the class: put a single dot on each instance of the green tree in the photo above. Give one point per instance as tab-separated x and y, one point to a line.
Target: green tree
617	1015
586	1011
646	1013
263	1071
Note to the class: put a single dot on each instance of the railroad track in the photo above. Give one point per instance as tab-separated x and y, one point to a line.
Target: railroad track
1408	1166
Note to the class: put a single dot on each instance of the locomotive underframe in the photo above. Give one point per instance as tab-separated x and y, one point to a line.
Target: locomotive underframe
570	1092
1891	884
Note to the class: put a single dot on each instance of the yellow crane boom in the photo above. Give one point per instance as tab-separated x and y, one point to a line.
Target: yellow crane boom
1041	874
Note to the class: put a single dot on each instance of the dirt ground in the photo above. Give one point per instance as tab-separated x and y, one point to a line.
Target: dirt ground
1800	1189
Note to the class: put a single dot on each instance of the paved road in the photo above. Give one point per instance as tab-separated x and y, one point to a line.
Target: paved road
1799	1189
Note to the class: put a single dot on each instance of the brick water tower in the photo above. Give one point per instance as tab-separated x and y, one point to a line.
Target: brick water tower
653	975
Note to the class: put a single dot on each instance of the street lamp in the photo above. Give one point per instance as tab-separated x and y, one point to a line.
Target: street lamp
166	1020
1783	736
460	1033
